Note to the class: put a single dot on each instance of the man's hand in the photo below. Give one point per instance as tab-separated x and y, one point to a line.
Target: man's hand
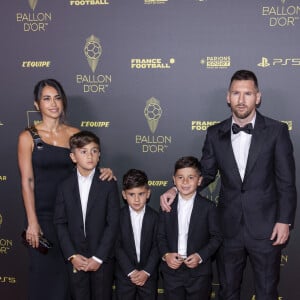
167	199
281	233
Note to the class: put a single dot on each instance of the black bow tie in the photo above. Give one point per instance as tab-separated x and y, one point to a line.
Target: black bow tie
248	128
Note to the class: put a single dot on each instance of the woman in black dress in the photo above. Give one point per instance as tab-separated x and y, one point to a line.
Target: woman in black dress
44	161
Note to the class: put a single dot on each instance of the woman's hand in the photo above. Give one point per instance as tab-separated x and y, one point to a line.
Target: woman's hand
33	233
107	174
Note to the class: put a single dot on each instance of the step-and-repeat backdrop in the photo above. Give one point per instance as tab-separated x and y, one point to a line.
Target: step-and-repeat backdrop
149	77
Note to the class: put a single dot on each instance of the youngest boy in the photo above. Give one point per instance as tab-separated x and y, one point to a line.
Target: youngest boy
86	219
188	236
137	254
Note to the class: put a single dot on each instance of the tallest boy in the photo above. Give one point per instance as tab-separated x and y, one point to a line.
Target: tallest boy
257	201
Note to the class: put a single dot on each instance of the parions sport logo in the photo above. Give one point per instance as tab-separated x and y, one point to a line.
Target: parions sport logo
216	62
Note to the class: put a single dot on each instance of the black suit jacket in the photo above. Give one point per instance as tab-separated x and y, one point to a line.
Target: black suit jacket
126	254
267	194
102	218
204	235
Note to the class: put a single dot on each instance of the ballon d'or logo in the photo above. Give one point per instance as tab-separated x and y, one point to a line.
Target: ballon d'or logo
152	113
92	51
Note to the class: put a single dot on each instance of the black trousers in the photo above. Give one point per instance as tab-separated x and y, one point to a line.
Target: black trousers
264	259
126	290
183	286
92	285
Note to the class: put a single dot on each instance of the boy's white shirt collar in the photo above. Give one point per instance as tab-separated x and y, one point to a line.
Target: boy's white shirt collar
81	177
137	212
181	199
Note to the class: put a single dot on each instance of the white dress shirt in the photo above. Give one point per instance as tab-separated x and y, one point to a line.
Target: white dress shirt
184	209
137	222
241	144
84	184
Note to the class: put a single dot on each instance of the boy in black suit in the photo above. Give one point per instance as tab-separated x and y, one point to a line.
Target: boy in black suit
137	254
188	236
86	219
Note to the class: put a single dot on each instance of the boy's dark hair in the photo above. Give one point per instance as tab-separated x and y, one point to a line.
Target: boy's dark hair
135	178
187	162
83	138
244	75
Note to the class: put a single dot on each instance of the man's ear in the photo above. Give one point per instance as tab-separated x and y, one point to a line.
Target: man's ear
228	98
258	98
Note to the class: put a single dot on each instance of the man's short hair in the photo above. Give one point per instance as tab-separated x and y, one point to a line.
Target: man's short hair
244	75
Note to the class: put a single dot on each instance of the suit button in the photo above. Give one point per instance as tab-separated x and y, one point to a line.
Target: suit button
243	191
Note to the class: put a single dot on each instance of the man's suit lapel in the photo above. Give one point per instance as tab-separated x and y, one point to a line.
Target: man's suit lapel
258	139
228	162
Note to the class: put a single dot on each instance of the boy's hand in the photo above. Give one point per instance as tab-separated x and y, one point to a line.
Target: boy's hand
139	277
167	198
173	260
192	261
92	265
79	262
107	174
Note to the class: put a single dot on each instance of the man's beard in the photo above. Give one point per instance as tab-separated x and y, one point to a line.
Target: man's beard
241	115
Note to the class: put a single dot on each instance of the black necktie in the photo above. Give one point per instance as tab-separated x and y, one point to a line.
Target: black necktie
248	128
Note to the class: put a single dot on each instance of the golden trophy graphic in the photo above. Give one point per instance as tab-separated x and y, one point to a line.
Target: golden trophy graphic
92	51
152	113
32	3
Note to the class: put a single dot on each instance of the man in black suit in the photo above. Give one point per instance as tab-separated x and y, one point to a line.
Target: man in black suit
137	254
188	237
86	219
257	200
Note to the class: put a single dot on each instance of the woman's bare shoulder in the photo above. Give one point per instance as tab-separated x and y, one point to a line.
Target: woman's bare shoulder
70	130
25	135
